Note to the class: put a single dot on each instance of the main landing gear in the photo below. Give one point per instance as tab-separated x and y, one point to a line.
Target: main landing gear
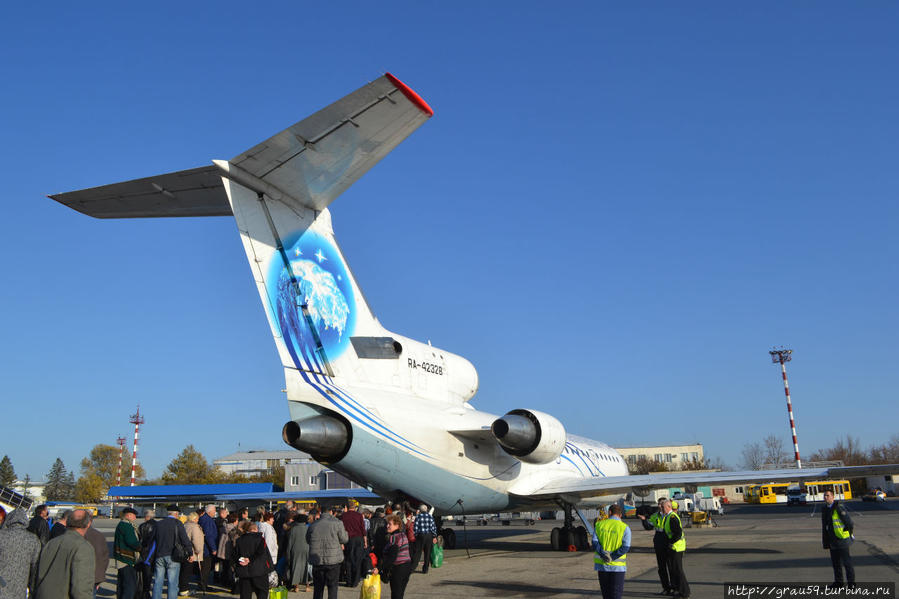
448	534
569	537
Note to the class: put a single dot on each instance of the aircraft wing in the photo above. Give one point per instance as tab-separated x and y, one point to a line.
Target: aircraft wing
611	485
315	159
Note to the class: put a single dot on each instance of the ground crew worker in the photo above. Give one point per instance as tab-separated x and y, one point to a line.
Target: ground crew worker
837	536
611	541
660	545
676	545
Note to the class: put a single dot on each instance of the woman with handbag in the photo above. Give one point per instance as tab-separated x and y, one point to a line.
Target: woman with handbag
396	565
252	562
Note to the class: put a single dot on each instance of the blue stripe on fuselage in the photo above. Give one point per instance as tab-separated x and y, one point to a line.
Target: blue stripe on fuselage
354	405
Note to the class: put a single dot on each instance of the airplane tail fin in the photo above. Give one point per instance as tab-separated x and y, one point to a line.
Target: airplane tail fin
278	192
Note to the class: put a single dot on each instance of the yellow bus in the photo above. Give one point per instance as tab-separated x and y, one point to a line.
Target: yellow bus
773	492
751	493
814	490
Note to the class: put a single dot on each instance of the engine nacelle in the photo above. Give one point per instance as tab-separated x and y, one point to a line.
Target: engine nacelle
325	438
529	435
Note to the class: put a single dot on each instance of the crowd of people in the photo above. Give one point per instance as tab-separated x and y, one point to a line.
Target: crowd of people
235	551
67	559
318	548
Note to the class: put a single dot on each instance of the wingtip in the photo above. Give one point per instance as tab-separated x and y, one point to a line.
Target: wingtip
410	94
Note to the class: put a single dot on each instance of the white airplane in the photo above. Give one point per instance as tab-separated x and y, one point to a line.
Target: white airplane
350	382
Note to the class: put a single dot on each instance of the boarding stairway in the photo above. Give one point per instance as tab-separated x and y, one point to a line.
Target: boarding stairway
13	500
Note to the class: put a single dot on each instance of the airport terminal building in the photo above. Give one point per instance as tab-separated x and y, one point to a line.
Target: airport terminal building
301	472
673	456
312	476
259	462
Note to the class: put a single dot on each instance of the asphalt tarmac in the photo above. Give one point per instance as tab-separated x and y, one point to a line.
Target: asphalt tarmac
754	544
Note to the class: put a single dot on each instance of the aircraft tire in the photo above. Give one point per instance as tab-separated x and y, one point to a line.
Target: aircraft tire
566	536
554	539
580	535
449	538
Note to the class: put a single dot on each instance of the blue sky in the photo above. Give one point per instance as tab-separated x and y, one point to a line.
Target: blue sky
615	213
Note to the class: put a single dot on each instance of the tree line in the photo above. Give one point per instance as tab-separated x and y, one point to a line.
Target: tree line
100	471
771	451
849	450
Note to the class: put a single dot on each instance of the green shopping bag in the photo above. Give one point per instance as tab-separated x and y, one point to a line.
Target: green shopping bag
436	556
277	593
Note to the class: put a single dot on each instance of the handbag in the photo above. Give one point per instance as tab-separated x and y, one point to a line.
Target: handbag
180	553
273	580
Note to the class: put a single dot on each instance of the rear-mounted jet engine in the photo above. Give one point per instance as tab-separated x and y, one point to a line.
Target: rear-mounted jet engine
325	438
529	435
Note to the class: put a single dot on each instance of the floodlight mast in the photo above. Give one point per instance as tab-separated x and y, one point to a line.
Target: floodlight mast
121	441
782	356
136	420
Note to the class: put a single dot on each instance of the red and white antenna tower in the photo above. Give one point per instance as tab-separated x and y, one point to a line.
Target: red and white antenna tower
782	356
121	441
136	420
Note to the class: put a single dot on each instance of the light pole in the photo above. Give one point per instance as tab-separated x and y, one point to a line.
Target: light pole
121	441
136	420
782	356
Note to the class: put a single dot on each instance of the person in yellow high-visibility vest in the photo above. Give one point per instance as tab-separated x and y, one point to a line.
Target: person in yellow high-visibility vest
675	533
611	542
837	536
660	545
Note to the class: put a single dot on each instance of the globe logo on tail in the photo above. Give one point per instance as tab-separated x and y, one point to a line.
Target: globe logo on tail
317	280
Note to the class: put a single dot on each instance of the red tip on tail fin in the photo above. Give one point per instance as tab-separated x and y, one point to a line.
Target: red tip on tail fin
411	95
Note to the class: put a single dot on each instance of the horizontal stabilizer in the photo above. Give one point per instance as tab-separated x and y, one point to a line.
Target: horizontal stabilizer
194	192
309	163
317	159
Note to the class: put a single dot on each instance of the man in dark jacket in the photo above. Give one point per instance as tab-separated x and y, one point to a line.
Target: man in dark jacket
39	525
220	576
282	517
126	547
836	533
144	532
168	533
354	524
674	531
19	552
59	527
210	544
660	545
101	554
325	537
250	560
377	533
66	565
